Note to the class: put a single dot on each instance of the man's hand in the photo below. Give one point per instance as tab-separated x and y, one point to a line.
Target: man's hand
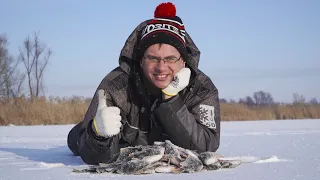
180	81
107	121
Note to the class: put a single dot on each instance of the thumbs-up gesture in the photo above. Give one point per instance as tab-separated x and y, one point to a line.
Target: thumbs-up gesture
107	121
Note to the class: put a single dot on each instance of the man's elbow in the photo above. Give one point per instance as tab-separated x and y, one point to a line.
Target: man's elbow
211	145
214	145
72	141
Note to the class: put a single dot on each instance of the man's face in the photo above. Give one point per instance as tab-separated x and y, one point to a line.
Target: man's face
161	72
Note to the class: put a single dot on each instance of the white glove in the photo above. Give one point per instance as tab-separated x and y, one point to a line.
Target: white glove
180	81
107	121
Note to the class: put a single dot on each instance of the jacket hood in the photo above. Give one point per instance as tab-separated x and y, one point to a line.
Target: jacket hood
127	57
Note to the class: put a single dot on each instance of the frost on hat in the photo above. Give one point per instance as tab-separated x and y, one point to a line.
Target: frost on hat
166	27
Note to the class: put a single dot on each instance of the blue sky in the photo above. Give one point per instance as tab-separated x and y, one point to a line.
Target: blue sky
246	46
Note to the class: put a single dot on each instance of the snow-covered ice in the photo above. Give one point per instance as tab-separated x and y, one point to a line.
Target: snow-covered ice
286	149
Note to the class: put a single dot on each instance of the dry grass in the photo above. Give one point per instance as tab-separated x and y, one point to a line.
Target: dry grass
71	110
42	111
231	112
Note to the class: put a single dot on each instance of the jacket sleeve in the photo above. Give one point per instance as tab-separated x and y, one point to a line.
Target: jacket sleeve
196	126
83	142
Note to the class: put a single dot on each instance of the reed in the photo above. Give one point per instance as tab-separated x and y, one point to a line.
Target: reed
53	111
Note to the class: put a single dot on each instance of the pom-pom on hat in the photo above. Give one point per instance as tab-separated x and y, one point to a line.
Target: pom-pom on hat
166	27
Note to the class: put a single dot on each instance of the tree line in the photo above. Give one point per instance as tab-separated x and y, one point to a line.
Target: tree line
262	98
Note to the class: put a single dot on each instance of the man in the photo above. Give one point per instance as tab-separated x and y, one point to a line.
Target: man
156	93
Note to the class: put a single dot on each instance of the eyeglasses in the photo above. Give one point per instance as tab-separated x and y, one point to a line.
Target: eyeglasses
166	60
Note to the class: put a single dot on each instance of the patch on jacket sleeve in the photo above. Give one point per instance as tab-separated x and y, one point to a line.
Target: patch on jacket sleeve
207	116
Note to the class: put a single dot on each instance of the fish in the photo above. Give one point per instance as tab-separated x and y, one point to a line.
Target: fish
161	157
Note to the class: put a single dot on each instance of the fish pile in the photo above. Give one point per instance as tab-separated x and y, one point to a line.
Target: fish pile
161	157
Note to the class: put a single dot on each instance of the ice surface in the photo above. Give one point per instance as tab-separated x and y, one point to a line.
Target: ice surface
288	149
271	159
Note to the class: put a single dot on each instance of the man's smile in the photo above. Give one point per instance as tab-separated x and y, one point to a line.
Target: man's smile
160	77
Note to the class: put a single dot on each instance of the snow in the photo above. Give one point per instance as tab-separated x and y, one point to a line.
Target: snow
286	149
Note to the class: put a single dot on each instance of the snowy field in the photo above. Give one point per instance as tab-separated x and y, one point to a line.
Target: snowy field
41	152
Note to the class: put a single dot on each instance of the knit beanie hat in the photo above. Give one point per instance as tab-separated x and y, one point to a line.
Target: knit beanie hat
165	28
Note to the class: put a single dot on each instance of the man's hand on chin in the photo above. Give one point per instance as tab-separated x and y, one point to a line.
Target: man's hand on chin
179	82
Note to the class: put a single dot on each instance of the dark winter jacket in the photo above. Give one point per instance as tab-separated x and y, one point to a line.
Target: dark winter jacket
190	120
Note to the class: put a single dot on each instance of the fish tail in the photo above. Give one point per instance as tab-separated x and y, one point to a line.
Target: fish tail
176	170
